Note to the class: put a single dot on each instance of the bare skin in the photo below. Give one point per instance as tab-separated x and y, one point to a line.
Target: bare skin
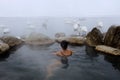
66	53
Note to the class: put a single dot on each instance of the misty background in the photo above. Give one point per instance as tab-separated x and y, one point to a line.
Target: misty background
18	14
58	8
29	62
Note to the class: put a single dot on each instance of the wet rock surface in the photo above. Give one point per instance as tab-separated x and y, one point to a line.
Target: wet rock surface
11	41
110	43
72	40
112	37
38	39
94	37
107	49
3	47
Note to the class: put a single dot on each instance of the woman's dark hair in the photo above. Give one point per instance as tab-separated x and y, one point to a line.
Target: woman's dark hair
64	44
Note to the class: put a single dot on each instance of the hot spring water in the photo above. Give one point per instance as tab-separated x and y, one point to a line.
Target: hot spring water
39	63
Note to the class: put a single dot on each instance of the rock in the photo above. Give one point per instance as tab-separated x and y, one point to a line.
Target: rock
76	41
57	35
72	40
112	37
109	36
38	39
3	47
107	49
94	37
11	41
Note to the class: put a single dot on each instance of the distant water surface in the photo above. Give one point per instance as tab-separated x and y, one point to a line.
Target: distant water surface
19	25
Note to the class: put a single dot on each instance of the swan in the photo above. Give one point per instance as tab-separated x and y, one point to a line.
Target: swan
4	29
78	29
100	25
81	30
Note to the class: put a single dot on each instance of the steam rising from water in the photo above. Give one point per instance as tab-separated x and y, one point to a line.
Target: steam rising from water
50	26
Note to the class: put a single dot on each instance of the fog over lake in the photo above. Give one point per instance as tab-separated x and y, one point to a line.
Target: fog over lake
19	25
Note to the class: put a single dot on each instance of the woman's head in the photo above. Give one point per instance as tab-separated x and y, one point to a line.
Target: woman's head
64	44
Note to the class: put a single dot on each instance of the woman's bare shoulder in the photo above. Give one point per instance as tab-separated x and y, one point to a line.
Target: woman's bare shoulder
70	50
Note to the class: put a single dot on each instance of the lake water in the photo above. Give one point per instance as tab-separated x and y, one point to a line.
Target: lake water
39	62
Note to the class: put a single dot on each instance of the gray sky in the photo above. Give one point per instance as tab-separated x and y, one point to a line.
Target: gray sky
64	8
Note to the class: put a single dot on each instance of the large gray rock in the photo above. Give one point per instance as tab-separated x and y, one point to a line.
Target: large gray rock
72	40
112	37
11	41
3	47
109	36
94	37
108	49
38	39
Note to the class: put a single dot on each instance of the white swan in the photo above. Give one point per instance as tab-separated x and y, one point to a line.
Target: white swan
78	29
4	29
81	30
100	25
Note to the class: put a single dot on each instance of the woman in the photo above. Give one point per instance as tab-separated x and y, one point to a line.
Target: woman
64	53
